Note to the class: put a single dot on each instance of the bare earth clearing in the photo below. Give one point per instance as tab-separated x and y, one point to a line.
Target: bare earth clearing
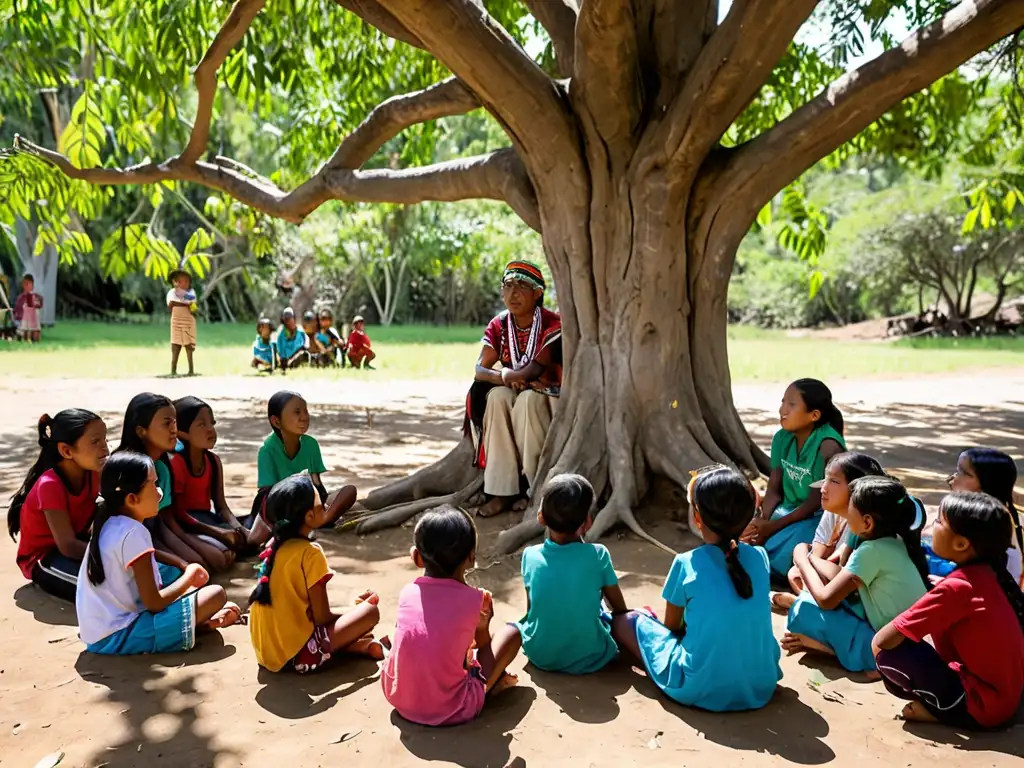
213	707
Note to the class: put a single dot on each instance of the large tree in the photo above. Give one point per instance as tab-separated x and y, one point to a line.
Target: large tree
642	145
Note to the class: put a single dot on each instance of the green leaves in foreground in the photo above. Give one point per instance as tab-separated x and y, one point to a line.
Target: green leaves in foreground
134	248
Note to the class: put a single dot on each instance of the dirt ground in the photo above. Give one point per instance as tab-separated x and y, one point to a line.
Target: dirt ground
214	707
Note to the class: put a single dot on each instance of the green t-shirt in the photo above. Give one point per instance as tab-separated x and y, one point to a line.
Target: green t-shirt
801	467
164	483
891	581
273	464
562	630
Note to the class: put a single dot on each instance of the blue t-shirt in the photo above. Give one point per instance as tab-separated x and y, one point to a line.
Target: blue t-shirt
562	630
263	350
727	658
287	347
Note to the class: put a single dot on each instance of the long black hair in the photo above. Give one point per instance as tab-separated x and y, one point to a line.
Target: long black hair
855	465
985	522
997	474
124	474
66	427
141	410
445	538
894	512
285	512
726	501
818	397
187	410
276	406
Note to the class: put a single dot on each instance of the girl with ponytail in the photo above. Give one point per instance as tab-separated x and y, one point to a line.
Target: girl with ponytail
291	622
972	673
715	648
126	603
54	508
811	434
885	574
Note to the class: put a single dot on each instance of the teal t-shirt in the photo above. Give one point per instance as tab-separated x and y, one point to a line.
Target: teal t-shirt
801	467
273	464
891	581
562	630
287	345
164	483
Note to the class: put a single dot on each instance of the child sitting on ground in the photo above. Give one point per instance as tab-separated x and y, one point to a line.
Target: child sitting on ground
54	508
972	673
565	579
26	310
288	451
181	300
264	353
330	339
829	551
292	344
291	622
986	470
715	649
126	603
811	434
359	352
886	571
311	328
199	502
445	660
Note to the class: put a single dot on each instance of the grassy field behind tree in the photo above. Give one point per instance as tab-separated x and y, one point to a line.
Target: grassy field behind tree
105	350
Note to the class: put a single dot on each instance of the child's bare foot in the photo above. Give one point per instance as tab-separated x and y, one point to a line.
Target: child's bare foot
225	617
782	602
915	712
506	681
873	675
371	647
793	643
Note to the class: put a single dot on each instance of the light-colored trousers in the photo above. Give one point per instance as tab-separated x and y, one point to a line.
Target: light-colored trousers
515	426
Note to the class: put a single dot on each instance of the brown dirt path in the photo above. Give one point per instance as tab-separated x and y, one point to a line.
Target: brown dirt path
214	707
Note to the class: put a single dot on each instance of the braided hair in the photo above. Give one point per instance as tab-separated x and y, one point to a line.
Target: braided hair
726	502
818	397
895	513
125	473
985	522
285	512
66	427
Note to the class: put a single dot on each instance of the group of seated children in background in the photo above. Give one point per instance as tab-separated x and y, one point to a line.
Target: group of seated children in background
316	343
864	590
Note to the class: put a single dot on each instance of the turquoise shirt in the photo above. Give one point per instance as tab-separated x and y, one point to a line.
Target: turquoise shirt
726	658
891	581
287	346
273	464
263	350
801	467
164	483
562	630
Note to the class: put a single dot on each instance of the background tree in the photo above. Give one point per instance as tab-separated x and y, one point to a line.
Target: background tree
643	142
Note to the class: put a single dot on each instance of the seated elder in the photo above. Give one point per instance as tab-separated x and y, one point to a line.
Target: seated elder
510	407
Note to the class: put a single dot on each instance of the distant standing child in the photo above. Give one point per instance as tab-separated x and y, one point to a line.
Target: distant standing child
565	579
288	451
264	352
359	352
292	344
972	673
181	300
445	661
330	339
291	622
714	649
126	603
886	574
52	512
26	310
811	434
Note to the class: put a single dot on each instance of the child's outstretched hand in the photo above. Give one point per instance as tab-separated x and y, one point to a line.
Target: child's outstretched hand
486	610
369	596
197	575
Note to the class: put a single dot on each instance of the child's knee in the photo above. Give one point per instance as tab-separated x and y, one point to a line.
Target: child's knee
795	581
214	596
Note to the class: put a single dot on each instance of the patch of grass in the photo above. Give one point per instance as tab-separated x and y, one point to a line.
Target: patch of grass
107	350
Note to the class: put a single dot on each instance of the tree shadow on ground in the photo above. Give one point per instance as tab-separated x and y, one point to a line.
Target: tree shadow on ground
1007	742
160	703
292	696
45	608
486	741
585	698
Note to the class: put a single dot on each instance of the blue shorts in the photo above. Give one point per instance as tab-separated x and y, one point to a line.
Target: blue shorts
845	630
171	630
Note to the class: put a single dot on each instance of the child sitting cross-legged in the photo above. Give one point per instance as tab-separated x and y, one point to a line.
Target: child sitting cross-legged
971	674
565	579
445	660
715	649
291	621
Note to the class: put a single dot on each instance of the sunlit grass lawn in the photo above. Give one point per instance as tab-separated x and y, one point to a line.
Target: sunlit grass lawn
107	350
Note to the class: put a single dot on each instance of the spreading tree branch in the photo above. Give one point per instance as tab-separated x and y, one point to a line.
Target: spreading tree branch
376	16
558	17
231	32
766	164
